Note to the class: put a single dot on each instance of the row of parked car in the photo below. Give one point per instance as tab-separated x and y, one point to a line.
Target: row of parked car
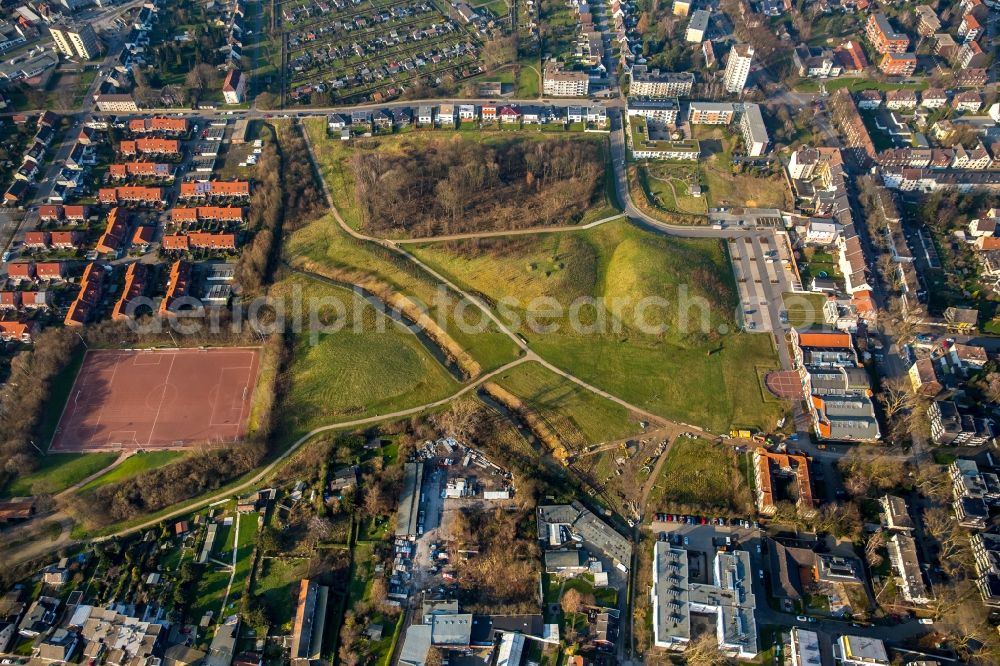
702	520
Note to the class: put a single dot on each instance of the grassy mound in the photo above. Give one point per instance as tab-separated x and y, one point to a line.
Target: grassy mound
678	356
372	365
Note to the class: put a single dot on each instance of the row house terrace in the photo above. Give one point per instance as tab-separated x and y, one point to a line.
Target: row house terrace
129	170
136	281
215	189
28	300
30	271
59	240
82	309
158	124
150	146
131	195
207	213
198	241
63	214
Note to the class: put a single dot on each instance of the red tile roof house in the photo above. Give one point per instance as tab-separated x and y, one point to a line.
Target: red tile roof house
142	237
157	146
36	300
134	194
50	213
158	124
199	241
215	188
17	331
38	239
75	213
67	240
10	300
21	271
50	270
510	114
188	215
91	288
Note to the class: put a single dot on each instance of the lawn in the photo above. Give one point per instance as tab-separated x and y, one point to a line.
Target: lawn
278	585
498	7
645	317
323	247
667	185
212	587
527	83
579	416
371	365
701	474
815	263
57	472
804	310
723	187
245	546
133	465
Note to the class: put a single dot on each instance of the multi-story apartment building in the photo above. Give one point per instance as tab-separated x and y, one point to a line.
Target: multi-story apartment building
898	64
77	41
559	82
928	22
883	36
754	132
738	68
711	113
645	83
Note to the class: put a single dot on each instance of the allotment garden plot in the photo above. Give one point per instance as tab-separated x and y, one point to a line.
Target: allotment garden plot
343	51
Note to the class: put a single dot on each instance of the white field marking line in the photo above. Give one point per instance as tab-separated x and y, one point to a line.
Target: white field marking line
247	391
140	359
111	381
166	383
233	405
119	441
216	404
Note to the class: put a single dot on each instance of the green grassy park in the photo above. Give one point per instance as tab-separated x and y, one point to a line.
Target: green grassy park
58	471
701	474
708	376
373	366
579	416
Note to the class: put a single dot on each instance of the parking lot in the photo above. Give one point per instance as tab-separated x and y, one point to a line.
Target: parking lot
702	541
762	272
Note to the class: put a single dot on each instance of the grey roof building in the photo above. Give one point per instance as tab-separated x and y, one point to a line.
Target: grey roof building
409	500
729	598
597	535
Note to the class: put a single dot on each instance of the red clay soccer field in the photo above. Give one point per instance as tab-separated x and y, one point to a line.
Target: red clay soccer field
158	399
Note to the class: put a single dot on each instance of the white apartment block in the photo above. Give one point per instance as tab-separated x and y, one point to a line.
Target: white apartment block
656	84
76	42
754	132
558	82
738	68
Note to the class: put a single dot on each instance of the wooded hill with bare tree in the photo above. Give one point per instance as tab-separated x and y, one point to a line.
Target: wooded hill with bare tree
448	186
